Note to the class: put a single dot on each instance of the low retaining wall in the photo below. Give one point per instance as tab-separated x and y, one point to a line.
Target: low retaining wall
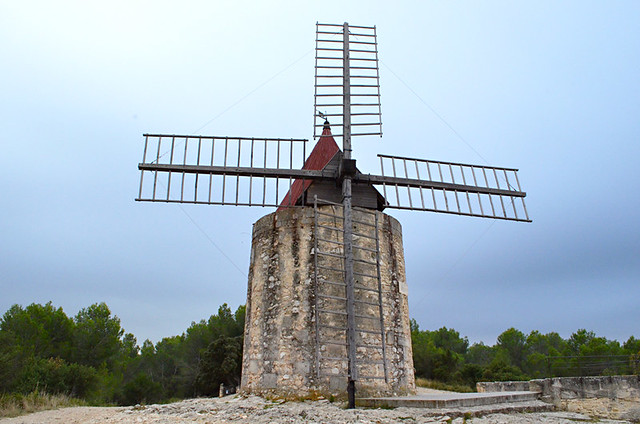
614	397
503	386
611	387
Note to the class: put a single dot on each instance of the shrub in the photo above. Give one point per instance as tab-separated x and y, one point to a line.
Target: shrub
55	376
142	389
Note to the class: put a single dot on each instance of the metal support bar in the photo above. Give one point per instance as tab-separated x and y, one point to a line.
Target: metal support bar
348	225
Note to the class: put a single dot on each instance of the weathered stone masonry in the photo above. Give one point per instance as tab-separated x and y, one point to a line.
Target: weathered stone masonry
280	340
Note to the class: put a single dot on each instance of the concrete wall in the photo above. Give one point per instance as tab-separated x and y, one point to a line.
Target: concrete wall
280	336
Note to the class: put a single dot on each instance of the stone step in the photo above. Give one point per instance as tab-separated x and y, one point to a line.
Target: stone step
449	400
483	410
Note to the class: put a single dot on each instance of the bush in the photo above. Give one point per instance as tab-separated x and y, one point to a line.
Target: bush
500	370
142	389
470	374
55	376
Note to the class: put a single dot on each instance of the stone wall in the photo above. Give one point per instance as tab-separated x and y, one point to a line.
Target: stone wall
613	387
280	351
502	386
605	396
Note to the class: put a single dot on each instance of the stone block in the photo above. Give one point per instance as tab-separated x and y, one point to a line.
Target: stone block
269	381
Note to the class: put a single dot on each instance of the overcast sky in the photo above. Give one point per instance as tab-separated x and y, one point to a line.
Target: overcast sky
551	88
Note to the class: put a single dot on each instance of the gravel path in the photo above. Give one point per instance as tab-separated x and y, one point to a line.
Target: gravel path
256	410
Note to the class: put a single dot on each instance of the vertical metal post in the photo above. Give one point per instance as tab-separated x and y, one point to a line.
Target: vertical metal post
375	37
213	147
155	175
238	176
383	337
315	283
433	194
224	163
393	167
415	162
195	189
173	142
251	176
277	166
348	223
264	180
384	186
184	162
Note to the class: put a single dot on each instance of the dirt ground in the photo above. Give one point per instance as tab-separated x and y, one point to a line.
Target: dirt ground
256	410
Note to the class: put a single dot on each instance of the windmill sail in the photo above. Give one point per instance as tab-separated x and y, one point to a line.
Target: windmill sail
447	187
276	173
359	92
221	170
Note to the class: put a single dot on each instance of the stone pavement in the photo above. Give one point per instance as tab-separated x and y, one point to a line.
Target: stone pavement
449	400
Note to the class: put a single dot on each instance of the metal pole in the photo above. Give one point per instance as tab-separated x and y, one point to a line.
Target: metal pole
348	224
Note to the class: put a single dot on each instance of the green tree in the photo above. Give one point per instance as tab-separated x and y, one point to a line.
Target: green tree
501	370
11	361
577	340
40	331
541	348
225	323
221	364
632	346
129	346
479	354
172	369
437	354
175	362
449	339
512	342
97	336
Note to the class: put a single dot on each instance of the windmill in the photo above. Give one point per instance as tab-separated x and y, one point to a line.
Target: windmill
276	172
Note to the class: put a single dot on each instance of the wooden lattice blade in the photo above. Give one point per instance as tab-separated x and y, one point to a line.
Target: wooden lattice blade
360	49
447	187
221	170
260	172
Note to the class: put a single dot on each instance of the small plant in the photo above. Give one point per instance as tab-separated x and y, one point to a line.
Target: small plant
12	405
439	385
386	406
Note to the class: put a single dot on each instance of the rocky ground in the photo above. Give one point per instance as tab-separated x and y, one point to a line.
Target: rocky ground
256	410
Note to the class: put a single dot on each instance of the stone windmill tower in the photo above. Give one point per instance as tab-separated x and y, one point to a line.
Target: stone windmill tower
327	297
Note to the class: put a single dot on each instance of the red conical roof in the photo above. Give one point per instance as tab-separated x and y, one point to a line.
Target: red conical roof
324	150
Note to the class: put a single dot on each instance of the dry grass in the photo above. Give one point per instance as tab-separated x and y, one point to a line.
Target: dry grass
14	404
438	385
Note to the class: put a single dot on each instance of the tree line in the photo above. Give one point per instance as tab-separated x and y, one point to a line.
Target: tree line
443	355
89	356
